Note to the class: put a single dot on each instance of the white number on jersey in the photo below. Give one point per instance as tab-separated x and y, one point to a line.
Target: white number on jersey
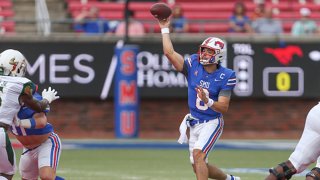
2	84
198	104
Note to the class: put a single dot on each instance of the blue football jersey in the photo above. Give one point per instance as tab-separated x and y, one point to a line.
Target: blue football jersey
26	113
221	79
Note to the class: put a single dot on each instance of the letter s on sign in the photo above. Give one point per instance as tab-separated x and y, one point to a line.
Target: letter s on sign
82	68
127	60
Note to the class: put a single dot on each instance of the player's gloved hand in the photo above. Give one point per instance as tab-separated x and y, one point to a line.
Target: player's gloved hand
50	94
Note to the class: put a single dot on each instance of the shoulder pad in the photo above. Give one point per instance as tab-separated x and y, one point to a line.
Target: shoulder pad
29	88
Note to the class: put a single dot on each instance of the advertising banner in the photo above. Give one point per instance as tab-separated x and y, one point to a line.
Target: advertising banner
85	69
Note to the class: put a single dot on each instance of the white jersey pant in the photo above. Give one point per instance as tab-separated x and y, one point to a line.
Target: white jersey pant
47	154
7	155
308	148
204	136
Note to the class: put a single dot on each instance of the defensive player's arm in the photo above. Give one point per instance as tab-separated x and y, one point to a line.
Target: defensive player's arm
175	58
26	99
38	106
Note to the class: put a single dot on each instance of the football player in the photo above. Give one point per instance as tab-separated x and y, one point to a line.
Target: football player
15	91
209	93
306	152
41	146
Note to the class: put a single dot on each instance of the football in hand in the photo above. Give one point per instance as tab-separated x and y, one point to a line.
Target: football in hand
160	11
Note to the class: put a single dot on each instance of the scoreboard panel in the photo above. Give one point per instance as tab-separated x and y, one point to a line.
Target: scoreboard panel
283	81
275	70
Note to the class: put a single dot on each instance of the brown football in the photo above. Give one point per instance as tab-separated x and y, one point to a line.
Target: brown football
160	10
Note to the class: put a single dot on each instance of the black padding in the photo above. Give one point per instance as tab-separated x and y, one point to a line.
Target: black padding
278	175
288	171
313	175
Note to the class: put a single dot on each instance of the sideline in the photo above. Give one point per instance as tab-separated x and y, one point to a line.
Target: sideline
170	144
263	171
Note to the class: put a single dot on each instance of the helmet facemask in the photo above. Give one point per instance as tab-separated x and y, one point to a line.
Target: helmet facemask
209	53
21	69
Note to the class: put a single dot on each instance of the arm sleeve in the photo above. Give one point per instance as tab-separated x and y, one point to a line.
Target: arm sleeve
185	69
186	66
189	63
230	82
226	93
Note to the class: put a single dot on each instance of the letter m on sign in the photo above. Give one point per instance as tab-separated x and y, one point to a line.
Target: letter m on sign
128	94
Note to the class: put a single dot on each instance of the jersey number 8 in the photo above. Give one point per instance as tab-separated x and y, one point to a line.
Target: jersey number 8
198	104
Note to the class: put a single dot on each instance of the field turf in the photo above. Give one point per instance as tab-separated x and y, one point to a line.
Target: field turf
144	164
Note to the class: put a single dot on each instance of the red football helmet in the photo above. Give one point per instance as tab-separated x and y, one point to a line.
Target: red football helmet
215	44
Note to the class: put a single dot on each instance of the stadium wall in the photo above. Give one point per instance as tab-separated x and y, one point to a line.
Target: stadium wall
250	118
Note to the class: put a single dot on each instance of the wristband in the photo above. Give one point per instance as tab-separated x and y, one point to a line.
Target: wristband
27	123
33	123
165	31
210	102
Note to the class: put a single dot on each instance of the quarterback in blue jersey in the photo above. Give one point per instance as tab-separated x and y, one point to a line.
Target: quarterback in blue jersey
41	146
209	93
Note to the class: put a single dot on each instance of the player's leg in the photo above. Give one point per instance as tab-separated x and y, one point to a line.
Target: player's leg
47	173
5	177
48	159
306	151
28	165
283	171
216	172
192	140
7	156
314	174
209	134
194	135
200	164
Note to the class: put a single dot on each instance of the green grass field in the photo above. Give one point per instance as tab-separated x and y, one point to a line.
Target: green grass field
128	164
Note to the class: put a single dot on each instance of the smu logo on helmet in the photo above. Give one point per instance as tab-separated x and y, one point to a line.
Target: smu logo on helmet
219	43
216	42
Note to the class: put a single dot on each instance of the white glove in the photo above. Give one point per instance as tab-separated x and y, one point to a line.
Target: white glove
50	94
